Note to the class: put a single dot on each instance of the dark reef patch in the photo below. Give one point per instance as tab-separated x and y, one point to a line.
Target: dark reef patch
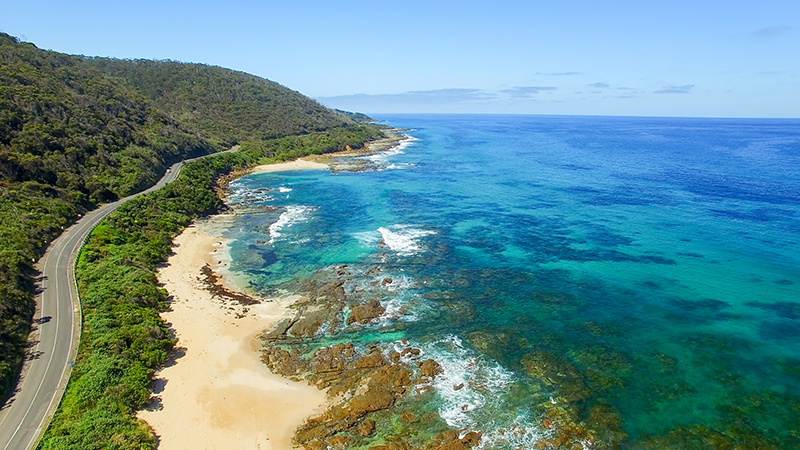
575	167
753	216
785	310
781	330
709	305
581	190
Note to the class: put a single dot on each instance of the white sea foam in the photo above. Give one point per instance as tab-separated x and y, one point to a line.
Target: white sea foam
284	189
404	305
398	297
402	238
240	194
520	433
381	159
367	239
468	383
399	166
292	215
398	149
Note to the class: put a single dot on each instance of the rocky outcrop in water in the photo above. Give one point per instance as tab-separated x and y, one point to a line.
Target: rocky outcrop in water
379	390
366	312
370	385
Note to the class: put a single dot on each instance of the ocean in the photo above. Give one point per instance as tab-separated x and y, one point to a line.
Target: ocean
617	282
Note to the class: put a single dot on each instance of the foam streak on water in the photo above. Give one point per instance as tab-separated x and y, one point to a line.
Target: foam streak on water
469	382
403	239
382	160
291	216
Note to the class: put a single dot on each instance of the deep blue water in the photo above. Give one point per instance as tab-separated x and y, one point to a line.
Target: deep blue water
648	268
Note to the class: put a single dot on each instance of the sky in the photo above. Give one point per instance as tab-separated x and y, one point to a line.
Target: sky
700	58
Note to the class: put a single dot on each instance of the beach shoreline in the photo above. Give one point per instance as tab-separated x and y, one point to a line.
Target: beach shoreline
297	164
215	393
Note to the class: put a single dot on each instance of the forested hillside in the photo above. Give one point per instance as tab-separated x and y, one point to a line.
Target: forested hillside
231	106
77	131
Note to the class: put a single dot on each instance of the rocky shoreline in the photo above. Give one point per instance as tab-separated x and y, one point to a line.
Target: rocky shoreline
370	385
380	391
358	160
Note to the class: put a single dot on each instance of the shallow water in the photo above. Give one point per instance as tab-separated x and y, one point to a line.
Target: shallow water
645	270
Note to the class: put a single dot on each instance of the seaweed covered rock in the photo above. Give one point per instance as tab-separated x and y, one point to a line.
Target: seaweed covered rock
556	373
372	359
429	368
698	437
366	428
366	312
379	391
450	440
364	384
284	362
331	359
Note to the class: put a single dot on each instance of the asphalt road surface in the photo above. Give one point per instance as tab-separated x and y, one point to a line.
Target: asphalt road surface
57	325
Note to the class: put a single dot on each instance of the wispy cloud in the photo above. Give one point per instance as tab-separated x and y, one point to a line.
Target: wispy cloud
560	74
527	91
449	95
599	85
440	100
454	99
429	97
772	31
672	89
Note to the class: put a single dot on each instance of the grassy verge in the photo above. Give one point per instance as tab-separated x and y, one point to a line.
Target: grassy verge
124	340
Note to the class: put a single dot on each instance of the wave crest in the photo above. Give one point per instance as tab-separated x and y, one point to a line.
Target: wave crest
402	239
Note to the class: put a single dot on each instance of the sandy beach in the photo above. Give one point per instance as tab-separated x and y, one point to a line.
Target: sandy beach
297	164
216	393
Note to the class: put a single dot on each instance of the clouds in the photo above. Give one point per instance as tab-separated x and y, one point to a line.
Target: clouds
539	98
526	91
769	32
435	99
449	95
672	89
560	74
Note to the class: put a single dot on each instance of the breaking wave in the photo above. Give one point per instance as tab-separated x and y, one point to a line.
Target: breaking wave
292	215
403	238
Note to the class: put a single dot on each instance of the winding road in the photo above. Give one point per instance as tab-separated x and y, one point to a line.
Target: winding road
57	328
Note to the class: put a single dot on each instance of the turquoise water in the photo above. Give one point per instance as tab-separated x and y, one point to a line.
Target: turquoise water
648	268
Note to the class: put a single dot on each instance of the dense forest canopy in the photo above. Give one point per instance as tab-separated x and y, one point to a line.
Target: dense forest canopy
78	131
230	105
65	124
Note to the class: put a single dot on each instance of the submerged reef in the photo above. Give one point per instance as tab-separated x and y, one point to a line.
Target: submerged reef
382	389
387	390
375	388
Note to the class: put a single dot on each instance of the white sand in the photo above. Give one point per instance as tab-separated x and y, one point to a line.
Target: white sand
219	395
292	165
